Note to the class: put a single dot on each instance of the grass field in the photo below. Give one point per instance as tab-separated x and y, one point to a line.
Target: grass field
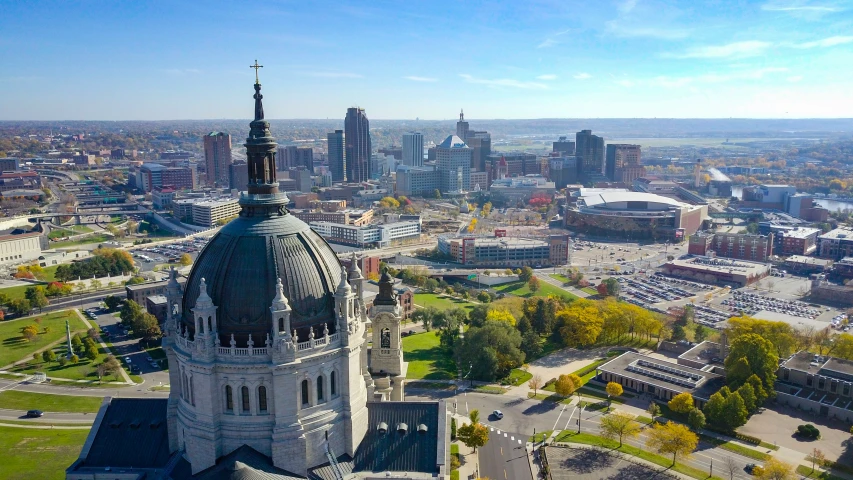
38	453
17	400
426	359
589	439
520	289
517	377
736	448
84	369
561	278
17	292
441	302
15	347
83	241
807	472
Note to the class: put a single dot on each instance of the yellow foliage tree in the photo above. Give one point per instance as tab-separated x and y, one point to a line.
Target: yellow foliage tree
619	425
613	389
582	323
500	315
567	384
681	403
672	438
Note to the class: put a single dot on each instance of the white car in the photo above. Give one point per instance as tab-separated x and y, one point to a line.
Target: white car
498	414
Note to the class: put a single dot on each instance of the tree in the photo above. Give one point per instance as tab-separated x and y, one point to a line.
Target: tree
672	438
91	352
681	403
696	419
483	296
111	364
613	389
76	342
530	345
492	350
700	333
437	194
735	412
21	306
426	316
535	383
474	415
731	467
601	289
75	358
654	410
581	323
130	312
186	260
775	469
147	327
612	286
36	356
48	356
526	274
62	361
30	332
473	435
678	333
567	384
500	315
758	389
747	393
817	457
759	354
533	284
619	425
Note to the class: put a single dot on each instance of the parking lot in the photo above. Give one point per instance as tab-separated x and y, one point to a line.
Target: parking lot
128	349
170	253
752	303
581	463
646	291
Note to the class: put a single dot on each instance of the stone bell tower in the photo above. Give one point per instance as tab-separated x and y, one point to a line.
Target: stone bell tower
386	356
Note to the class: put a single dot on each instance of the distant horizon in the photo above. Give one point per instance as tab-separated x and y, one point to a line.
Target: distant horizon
452	120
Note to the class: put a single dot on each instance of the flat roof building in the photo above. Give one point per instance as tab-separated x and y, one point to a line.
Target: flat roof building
209	212
818	384
738	273
836	244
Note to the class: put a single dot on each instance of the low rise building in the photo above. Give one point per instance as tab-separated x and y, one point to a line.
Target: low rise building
368	235
806	265
799	241
836	244
738	273
661	379
162	197
141	291
521	189
20	248
755	248
157	305
208	213
818	384
505	251
824	291
843	268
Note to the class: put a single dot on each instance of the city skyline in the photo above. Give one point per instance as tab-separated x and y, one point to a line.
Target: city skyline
629	58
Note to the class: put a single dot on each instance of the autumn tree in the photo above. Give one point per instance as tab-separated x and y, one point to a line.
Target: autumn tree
567	384
681	403
535	383
758	353
500	315
30	332
473	435
36	296
672	438
619	425
775	469
654	410
533	284
525	274
817	457
613	389
48	356
186	260
696	419
581	323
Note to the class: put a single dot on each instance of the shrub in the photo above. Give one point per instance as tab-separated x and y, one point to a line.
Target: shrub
452	429
808	431
550	382
748	439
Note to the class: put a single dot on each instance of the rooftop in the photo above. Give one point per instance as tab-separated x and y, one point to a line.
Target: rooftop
663	374
801	232
452	141
720	265
610	196
823	365
838	233
705	352
801	259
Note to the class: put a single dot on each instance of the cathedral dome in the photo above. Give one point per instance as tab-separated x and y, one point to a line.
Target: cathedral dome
242	263
241	266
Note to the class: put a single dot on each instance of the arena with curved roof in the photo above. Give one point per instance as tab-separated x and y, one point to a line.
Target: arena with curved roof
634	215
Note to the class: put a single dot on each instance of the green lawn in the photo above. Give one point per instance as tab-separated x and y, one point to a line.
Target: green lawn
100	238
15	347
18	400
17	292
589	439
736	448
807	472
38	453
520	289
590	290
427	360
557	276
84	369
441	302
517	377
539	436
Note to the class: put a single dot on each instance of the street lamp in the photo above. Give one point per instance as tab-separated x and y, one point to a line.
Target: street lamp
580	411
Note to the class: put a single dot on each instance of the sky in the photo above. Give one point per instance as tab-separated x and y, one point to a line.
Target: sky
167	60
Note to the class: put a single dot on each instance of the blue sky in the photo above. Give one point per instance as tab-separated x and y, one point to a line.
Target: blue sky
117	60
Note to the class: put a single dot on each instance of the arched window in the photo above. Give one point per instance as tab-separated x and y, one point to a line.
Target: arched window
229	399
320	389
186	389
385	338
333	389
200	324
262	398
280	324
210	324
305	392
244	394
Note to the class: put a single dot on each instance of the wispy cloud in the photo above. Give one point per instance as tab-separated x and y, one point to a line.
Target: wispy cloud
415	78
677	82
730	50
626	6
647	19
799	7
825	43
664	33
334	74
549	76
552	40
504	82
582	76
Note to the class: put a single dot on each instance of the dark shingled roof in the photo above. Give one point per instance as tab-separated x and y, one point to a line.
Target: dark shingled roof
241	265
398	452
245	463
132	434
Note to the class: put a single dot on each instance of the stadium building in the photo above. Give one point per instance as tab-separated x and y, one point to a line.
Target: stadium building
634	215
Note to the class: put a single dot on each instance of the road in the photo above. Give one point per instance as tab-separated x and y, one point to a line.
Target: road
522	416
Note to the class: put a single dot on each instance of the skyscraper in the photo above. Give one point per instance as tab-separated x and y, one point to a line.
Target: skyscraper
590	153
453	159
462	127
619	156
337	164
564	146
217	157
357	141
413	149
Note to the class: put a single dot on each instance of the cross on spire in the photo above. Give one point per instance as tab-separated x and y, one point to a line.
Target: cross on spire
256	67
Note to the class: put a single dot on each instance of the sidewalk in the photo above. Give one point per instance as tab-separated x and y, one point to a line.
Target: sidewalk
469	460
